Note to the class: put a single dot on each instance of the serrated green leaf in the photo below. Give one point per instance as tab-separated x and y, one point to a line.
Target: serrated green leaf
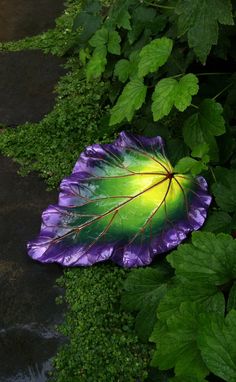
122	70
143	290
208	297
123	20
114	42
154	55
199	19
187	87
201	127
131	99
200	150
176	342
141	16
97	63
217	342
170	92
188	164
231	303
225	189
100	38
89	24
209	259
218	221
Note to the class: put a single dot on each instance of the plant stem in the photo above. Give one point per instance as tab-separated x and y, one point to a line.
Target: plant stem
195	106
222	91
158	5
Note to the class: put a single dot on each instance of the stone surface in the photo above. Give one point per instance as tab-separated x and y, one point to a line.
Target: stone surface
22	18
27	81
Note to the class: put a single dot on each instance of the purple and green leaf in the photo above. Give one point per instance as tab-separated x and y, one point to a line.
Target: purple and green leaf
122	202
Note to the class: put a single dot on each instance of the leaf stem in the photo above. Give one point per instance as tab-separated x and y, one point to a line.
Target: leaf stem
195	106
222	91
158	5
212	74
212	173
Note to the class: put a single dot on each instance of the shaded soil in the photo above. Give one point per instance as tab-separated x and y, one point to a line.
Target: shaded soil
28	311
22	18
27	81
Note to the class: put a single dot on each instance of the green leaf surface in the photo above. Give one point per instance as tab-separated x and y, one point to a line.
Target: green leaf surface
154	55
143	290
99	38
89	23
169	92
206	295
217	342
176	342
188	164
209	259
122	70
218	221
123	20
231	303
97	63
225	189
200	19
114	42
130	100
201	127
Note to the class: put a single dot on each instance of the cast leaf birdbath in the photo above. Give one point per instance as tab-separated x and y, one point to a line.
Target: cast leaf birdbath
122	202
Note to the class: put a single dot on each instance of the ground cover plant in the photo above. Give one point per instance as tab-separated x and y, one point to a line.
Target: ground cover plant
154	68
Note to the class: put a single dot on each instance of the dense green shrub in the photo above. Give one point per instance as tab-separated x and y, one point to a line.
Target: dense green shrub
102	344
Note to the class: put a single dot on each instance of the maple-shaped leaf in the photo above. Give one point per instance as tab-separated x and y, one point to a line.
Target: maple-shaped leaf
122	202
200	20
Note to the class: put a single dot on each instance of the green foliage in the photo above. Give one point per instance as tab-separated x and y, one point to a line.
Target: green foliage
135	92
224	189
177	343
144	289
203	126
170	92
103	346
217	343
154	55
199	19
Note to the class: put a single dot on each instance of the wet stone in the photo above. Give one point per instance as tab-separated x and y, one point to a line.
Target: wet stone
27	82
28	312
23	18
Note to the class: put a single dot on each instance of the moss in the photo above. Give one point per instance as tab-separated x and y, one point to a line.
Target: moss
103	345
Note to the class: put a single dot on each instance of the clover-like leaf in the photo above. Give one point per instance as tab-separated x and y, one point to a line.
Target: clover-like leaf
122	202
